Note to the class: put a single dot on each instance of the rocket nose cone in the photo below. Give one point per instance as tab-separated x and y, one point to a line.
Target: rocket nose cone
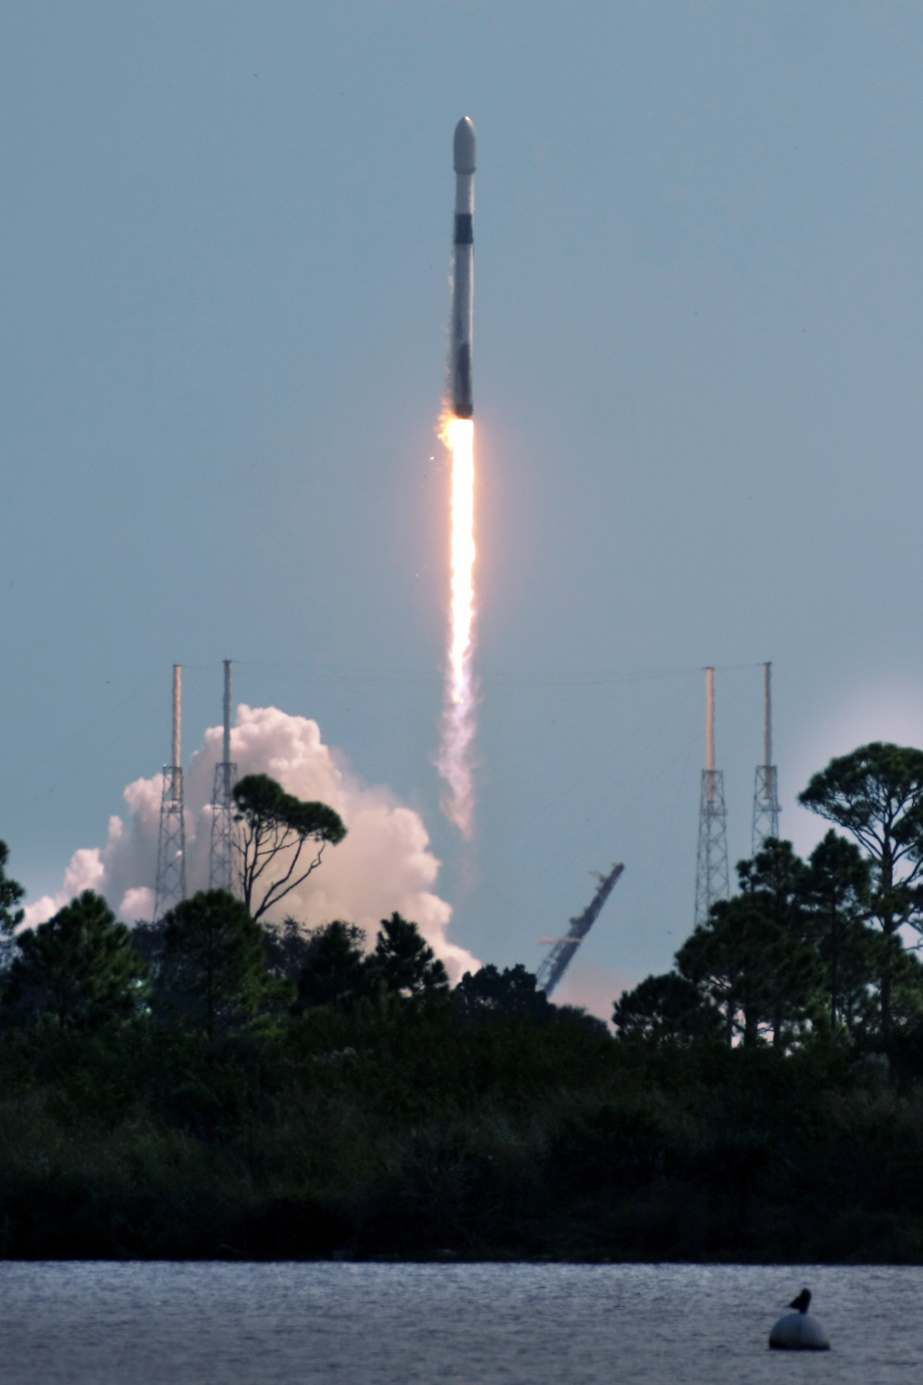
465	145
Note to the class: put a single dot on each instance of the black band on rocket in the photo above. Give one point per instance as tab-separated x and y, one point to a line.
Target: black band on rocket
464	228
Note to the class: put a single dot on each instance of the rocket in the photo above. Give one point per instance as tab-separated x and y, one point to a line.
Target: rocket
465	146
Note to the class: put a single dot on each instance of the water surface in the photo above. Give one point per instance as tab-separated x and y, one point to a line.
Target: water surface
373	1324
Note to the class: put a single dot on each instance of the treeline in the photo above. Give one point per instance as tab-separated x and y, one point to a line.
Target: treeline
218	1086
813	948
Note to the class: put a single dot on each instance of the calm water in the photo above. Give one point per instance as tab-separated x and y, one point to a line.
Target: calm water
181	1324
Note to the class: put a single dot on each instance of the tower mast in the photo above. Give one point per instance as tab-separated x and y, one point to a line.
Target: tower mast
221	855
711	877
766	787
170	886
559	958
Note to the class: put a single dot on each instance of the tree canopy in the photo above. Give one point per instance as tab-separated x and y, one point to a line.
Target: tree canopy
333	970
11	892
836	901
512	992
11	916
273	830
213	973
876	794
405	961
754	969
78	970
666	1009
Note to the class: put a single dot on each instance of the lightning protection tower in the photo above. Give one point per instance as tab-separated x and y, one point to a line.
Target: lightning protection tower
562	951
766	788
711	876
170	887
221	857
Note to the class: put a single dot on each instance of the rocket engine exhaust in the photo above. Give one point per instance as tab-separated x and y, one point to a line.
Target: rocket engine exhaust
457	432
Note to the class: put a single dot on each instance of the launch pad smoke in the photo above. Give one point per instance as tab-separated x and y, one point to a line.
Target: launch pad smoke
384	863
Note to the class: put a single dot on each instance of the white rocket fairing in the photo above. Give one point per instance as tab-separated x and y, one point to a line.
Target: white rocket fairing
465	147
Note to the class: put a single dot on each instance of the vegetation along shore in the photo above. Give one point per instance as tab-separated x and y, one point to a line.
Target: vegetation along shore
218	1085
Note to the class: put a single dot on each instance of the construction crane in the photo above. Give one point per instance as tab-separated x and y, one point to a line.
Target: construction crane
563	949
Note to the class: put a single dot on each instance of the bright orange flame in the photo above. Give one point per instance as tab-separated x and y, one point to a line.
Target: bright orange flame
454	759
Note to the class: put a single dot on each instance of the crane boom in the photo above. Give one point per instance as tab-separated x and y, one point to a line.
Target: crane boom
559	958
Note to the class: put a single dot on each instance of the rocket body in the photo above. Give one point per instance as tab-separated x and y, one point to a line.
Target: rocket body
462	327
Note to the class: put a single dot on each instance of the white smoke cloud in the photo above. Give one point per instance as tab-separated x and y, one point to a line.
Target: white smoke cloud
383	864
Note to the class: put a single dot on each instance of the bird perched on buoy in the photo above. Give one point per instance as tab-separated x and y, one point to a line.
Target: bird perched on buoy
799	1331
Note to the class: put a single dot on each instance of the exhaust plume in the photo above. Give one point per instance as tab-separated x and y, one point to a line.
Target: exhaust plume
458	724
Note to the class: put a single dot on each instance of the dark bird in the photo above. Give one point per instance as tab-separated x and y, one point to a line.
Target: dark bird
802	1301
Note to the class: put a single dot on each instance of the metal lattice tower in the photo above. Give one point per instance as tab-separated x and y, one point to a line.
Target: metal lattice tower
221	857
561	954
170	887
766	788
711	876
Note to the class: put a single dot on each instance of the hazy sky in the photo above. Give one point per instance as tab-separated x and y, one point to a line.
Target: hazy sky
698	359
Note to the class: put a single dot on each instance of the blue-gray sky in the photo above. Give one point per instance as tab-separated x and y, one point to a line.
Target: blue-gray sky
225	252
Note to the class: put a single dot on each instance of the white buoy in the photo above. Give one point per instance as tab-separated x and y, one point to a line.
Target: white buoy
799	1332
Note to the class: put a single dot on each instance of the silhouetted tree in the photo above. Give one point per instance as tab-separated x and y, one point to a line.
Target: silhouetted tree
513	992
876	794
213	973
666	1009
11	892
147	940
11	916
776	875
405	961
836	898
273	830
78	970
774	882
287	947
907	986
759	973
334	971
